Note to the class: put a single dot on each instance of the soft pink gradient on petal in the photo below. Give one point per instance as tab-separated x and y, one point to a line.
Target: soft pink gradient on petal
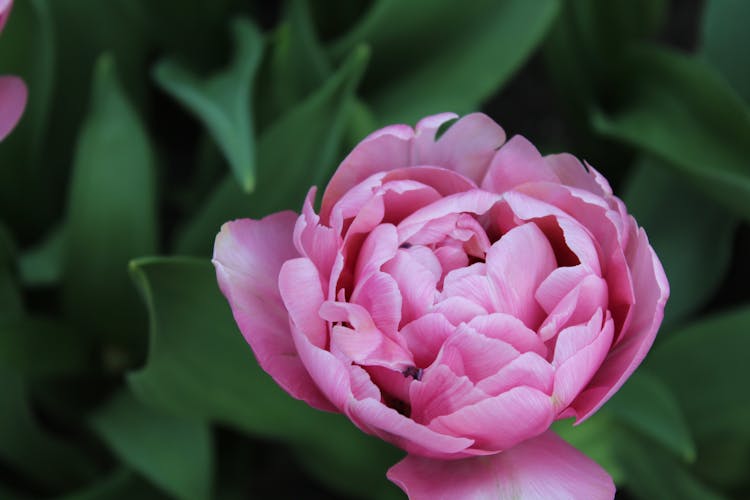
516	265
517	162
541	468
248	256
13	95
466	147
5	8
653	291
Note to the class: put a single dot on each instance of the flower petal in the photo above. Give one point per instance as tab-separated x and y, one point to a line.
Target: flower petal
248	256
538	469
13	95
516	163
466	147
501	422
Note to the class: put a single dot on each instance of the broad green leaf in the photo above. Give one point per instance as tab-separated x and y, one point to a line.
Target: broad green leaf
122	483
695	256
297	151
34	347
646	404
654	473
724	36
596	439
111	213
298	63
704	364
174	453
30	450
434	56
223	101
199	366
678	109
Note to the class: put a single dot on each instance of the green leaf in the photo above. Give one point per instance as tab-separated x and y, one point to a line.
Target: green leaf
174	453
199	366
298	63
654	473
647	405
695	256
111	213
298	150
30	450
435	56
11	302
705	366
724	32
680	111
35	347
223	101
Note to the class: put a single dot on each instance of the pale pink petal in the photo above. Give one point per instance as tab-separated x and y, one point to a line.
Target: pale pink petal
378	248
301	290
572	172
374	417
444	181
528	369
578	306
500	422
632	345
381	151
458	309
416	283
425	336
466	147
379	294
516	163
441	392
330	375
13	95
248	256
469	283
541	468
510	330
315	241
516	265
559	284
475	202
469	353
403	197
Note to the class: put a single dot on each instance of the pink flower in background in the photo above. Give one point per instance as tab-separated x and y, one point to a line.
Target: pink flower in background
13	92
454	296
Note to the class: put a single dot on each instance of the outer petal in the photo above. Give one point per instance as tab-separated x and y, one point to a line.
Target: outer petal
5	6
466	147
541	468
13	95
517	162
381	151
652	291
248	256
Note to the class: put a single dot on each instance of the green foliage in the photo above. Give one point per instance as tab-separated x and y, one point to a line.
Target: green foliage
202	111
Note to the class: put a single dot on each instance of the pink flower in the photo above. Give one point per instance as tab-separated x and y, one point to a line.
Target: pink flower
453	297
12	89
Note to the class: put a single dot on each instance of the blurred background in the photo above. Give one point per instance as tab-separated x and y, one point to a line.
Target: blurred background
151	122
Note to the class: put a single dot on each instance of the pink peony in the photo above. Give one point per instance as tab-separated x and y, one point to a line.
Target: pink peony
12	89
453	297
